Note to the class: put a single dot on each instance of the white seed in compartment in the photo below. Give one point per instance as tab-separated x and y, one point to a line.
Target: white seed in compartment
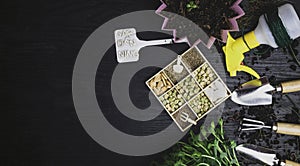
172	100
204	75
201	104
216	91
188	88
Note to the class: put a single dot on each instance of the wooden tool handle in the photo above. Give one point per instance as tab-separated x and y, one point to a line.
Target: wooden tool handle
288	129
291	163
290	86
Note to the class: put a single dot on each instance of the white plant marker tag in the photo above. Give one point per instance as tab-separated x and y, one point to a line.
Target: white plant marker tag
128	45
178	68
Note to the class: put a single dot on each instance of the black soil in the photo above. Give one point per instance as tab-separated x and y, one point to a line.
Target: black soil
210	15
285	108
276	64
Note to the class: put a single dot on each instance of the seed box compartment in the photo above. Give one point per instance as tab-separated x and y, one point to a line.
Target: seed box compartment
197	90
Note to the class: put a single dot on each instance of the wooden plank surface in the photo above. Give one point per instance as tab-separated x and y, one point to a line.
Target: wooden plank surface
39	44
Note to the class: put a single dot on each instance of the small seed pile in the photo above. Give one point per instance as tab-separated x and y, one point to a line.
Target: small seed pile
188	88
192	59
172	100
216	92
201	104
204	75
175	77
159	84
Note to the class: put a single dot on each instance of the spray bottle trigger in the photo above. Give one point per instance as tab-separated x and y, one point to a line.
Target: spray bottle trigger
234	57
248	70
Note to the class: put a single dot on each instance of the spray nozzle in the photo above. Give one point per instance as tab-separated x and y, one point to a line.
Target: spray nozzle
234	53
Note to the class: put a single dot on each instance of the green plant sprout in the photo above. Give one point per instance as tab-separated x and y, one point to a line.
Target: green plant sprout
200	150
191	5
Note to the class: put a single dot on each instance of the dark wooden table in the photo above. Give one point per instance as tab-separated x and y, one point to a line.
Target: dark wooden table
39	43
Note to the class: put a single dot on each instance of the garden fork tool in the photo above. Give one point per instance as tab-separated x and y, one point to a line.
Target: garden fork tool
186	118
279	127
128	44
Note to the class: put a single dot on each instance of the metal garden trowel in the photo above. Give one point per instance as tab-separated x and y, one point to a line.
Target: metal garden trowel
264	155
259	91
128	44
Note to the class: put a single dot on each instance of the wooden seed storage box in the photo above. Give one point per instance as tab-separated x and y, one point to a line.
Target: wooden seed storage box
197	90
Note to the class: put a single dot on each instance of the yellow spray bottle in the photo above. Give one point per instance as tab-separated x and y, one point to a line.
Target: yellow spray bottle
235	48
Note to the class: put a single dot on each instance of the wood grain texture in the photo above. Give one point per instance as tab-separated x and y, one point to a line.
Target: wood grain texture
39	43
288	128
290	86
291	163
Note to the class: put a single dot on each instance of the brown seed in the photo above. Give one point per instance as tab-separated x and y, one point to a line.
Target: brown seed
160	84
152	84
156	91
163	89
157	78
164	81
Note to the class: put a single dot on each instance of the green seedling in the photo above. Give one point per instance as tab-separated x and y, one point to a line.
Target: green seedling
191	5
202	150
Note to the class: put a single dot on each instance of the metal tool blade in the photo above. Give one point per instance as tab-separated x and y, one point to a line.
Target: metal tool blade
253	93
252	124
259	153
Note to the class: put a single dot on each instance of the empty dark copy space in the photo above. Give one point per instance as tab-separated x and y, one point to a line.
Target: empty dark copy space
39	44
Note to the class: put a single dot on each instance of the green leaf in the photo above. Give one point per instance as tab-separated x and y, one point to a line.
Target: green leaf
196	155
233	162
218	131
214	150
221	123
179	163
213	125
232	144
223	154
210	145
221	128
203	131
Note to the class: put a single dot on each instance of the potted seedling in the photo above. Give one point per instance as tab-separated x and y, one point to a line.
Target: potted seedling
214	17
